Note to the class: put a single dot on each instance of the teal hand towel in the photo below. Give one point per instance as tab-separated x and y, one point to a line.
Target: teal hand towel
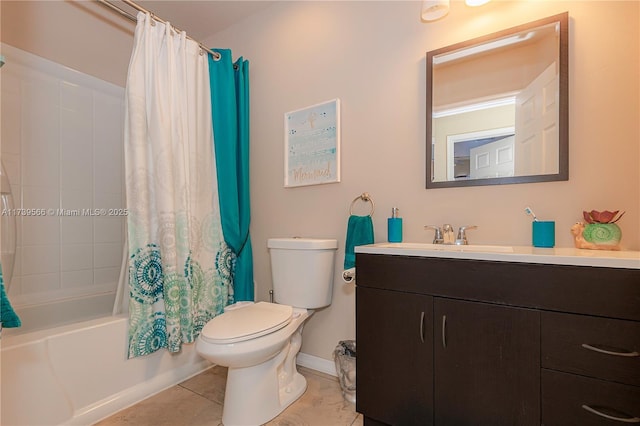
8	317
359	232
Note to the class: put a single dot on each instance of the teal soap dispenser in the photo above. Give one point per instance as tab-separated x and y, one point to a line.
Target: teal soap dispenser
394	227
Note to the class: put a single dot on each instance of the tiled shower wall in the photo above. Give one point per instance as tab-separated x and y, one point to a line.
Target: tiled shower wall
62	146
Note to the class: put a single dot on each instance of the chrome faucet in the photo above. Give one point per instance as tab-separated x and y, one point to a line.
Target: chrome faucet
437	236
461	239
445	234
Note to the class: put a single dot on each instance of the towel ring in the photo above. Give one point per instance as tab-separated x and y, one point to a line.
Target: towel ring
364	197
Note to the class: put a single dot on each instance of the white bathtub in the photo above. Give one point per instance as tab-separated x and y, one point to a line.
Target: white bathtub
50	314
79	374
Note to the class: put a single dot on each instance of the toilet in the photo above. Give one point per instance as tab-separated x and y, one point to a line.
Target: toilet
259	342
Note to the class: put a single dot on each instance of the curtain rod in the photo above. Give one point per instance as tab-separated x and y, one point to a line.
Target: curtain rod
139	8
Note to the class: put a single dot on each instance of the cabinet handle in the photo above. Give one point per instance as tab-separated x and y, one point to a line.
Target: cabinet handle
422	327
444	331
607	416
604	351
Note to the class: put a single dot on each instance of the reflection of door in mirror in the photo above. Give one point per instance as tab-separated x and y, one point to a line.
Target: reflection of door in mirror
474	156
537	125
494	159
479	123
509	80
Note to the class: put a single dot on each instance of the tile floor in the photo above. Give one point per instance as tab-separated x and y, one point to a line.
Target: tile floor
198	402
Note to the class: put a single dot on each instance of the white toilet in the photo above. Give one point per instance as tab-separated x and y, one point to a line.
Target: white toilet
259	342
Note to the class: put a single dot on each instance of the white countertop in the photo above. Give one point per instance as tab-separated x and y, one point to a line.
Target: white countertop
523	254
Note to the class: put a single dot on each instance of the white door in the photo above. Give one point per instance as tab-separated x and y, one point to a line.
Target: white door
537	147
493	159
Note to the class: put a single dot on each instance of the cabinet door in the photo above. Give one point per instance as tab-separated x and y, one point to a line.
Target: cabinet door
394	364
487	364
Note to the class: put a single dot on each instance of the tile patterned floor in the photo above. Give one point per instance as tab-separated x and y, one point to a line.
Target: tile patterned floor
198	402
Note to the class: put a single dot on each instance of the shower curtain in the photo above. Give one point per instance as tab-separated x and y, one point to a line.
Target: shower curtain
230	108
180	268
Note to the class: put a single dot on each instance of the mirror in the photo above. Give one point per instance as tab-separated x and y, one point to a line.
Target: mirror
498	108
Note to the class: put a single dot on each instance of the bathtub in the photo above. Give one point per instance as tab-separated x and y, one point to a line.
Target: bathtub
78	374
51	314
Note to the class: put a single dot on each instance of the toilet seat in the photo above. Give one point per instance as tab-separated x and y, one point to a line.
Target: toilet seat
247	323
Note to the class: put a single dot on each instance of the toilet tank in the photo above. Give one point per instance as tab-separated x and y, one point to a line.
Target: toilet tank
302	271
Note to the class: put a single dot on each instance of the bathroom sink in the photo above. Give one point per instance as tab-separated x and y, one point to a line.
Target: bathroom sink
447	247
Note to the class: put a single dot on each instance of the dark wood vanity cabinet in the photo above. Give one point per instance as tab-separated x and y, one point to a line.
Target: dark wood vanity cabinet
396	330
468	342
487	364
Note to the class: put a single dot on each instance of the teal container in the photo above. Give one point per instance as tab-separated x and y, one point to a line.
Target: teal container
394	227
544	233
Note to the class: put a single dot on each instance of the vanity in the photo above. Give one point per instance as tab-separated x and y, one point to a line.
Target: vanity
513	336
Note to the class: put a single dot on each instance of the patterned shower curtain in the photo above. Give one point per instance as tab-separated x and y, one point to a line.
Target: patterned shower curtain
179	265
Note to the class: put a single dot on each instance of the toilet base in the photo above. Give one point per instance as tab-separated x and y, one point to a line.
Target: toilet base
295	390
254	395
240	409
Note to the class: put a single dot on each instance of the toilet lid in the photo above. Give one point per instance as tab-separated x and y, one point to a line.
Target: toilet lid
247	323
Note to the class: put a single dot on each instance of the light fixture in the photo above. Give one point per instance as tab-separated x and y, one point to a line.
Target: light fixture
434	9
474	3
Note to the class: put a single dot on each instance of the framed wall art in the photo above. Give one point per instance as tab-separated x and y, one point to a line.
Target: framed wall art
312	145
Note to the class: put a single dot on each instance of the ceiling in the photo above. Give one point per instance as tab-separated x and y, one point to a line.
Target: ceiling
201	18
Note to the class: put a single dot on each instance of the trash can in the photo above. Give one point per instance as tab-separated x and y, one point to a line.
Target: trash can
344	356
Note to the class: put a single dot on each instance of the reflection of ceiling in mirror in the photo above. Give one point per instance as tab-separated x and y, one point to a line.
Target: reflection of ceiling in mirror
481	49
488	76
535	35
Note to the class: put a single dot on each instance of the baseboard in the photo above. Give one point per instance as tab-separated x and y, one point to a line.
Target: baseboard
316	363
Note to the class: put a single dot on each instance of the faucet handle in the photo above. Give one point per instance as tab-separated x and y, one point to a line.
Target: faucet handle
437	236
461	239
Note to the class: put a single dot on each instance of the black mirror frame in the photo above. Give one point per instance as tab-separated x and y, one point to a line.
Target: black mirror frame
563	119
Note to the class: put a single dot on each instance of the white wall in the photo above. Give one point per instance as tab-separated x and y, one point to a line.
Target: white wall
371	55
82	35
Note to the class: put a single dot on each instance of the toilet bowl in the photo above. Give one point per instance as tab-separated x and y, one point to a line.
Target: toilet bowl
259	363
259	342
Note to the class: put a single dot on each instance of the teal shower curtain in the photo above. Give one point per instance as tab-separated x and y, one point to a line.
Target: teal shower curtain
230	113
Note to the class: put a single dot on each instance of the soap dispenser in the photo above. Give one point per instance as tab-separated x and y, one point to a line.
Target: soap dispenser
394	227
